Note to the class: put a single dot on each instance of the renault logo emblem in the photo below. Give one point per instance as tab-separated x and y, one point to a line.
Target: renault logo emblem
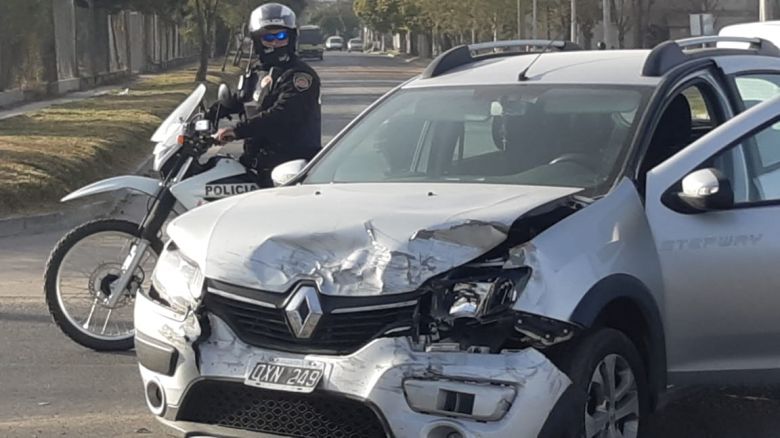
304	311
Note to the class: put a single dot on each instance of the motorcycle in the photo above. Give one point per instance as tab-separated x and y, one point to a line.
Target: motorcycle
94	271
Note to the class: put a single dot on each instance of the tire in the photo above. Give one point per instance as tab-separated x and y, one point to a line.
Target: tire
579	362
51	288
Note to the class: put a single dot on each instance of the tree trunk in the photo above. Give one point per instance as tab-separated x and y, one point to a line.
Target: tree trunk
639	24
203	68
587	39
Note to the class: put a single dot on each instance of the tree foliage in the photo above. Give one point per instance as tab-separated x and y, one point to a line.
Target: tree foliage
335	18
451	21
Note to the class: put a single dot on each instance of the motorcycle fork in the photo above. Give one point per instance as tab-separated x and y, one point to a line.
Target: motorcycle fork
150	227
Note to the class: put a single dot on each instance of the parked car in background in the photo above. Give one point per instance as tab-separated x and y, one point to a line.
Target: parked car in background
355	45
334	43
310	42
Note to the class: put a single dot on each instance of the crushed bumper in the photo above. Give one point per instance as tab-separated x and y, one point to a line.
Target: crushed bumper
413	394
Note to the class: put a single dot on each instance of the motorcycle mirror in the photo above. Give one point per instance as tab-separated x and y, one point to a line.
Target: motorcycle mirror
285	172
223	94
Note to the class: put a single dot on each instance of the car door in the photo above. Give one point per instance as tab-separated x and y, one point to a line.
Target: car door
720	266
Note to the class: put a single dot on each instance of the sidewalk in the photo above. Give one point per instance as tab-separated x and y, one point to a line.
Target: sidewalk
24	108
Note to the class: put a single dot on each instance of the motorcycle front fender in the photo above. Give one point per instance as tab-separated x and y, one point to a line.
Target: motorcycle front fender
148	186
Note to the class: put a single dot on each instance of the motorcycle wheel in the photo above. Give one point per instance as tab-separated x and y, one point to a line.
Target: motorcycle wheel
77	282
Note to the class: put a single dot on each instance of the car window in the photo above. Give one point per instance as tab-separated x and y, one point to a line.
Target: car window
753	166
533	134
687	116
477	140
700	113
755	89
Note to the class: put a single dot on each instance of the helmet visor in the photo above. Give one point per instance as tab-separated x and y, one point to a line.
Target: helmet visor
277	36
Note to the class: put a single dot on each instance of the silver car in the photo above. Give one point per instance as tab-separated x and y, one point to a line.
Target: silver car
511	245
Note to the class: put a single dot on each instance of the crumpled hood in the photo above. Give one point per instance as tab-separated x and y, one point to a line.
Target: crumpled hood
352	239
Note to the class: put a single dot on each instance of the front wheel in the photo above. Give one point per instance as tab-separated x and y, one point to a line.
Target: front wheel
78	278
609	392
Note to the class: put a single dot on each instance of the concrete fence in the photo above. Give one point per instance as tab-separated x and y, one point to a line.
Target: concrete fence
78	46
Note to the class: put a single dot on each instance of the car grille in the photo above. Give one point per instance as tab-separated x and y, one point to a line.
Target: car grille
232	404
336	333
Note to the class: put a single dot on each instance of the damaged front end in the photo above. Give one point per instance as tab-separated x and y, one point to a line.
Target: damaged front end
473	307
476	305
455	357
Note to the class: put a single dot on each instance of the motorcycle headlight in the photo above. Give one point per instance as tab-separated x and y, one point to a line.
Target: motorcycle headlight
177	282
483	295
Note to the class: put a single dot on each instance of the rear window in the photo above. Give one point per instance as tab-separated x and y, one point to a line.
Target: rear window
310	36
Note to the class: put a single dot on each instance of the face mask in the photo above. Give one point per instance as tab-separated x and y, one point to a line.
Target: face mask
276	57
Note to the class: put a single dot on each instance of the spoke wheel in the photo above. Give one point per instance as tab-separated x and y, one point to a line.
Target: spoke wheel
80	278
609	394
612	409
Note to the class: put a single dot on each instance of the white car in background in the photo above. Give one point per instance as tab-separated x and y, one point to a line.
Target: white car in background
334	43
355	45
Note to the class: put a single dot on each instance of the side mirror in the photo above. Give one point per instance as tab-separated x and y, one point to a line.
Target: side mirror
285	172
705	190
224	95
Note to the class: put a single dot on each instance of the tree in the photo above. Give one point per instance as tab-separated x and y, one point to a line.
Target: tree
588	14
336	18
382	16
621	14
201	18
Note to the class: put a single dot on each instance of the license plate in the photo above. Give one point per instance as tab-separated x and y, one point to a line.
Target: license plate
283	374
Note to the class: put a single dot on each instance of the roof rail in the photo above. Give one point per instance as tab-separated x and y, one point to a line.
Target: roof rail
466	54
670	54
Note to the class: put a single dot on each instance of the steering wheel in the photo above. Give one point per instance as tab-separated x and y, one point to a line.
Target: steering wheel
583	160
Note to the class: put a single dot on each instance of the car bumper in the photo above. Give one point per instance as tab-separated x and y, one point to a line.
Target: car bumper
507	394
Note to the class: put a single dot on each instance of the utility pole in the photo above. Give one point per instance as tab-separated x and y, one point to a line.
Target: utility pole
606	17
519	20
534	15
764	10
574	21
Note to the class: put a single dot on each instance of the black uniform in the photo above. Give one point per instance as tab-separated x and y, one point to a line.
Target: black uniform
283	115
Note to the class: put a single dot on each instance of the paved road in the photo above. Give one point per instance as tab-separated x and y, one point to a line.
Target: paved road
50	387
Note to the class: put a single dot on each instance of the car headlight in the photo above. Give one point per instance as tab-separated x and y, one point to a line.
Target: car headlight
487	294
177	282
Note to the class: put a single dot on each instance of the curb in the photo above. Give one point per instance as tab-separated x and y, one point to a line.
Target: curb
72	215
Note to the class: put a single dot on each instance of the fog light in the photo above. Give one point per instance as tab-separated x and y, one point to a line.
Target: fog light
155	397
444	431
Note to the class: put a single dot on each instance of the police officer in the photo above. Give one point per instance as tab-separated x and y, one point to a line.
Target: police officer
280	96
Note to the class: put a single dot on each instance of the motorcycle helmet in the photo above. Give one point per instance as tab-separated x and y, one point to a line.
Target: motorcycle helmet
270	24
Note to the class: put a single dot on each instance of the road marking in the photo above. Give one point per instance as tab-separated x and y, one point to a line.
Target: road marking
41	421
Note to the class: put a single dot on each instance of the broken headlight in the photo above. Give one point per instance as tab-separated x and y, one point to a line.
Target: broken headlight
484	294
177	281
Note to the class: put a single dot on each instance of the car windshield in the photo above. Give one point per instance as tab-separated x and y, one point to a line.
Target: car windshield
570	136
